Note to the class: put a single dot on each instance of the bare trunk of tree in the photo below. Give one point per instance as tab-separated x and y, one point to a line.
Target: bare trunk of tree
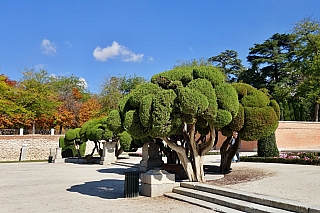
227	153
118	150
192	165
316	112
77	148
33	127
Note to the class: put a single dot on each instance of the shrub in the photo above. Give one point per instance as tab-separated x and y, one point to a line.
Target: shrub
69	150
267	147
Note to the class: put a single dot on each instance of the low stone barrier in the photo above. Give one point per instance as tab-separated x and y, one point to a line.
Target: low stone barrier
35	147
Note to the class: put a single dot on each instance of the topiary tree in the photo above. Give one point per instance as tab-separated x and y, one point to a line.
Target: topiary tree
267	147
71	144
105	129
257	118
175	106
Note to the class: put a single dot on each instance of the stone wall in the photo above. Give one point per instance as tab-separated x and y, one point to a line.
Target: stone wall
38	146
290	135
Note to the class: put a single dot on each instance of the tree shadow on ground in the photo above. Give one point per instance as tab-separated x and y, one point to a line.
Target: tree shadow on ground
107	189
212	169
120	171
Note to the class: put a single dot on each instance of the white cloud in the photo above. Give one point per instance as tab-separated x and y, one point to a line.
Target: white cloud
150	59
40	66
68	43
48	47
83	82
103	54
190	48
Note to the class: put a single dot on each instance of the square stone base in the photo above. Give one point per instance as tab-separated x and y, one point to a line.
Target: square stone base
59	160
156	190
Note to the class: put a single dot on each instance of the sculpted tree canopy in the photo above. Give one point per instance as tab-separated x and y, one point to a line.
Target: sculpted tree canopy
178	104
257	118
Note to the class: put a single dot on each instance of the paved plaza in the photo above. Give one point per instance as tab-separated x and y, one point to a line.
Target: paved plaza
69	187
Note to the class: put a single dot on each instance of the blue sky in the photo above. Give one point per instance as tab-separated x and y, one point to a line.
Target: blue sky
98	39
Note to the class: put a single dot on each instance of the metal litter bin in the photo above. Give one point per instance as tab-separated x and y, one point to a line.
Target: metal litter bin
131	184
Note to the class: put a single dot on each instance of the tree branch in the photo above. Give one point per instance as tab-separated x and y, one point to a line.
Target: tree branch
206	147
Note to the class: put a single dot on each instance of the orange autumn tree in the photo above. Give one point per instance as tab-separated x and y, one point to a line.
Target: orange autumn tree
89	109
73	94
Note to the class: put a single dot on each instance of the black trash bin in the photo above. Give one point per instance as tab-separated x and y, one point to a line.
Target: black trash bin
131	184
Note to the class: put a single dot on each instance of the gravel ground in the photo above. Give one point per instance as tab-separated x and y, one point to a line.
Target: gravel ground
43	187
289	181
67	187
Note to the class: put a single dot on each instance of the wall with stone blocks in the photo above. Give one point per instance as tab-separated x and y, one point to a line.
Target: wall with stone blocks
290	135
38	146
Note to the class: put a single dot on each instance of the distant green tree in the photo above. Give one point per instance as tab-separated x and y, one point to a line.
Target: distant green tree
114	88
307	32
271	66
37	96
229	62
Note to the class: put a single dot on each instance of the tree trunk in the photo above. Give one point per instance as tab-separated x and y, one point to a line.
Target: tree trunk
316	112
118	150
227	153
193	166
77	148
33	127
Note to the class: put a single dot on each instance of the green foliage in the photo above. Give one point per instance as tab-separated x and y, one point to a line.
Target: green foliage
276	107
267	147
141	91
223	118
71	135
163	120
237	122
114	122
125	141
230	64
182	74
69	150
124	105
280	160
191	101
259	123
270	63
242	89
38	95
212	74
133	125
205	88
255	99
227	98
145	110
114	88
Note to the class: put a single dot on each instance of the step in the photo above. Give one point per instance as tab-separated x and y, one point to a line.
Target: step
233	203
289	205
201	203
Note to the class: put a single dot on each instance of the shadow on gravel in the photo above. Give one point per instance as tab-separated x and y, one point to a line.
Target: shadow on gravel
107	189
212	169
119	171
